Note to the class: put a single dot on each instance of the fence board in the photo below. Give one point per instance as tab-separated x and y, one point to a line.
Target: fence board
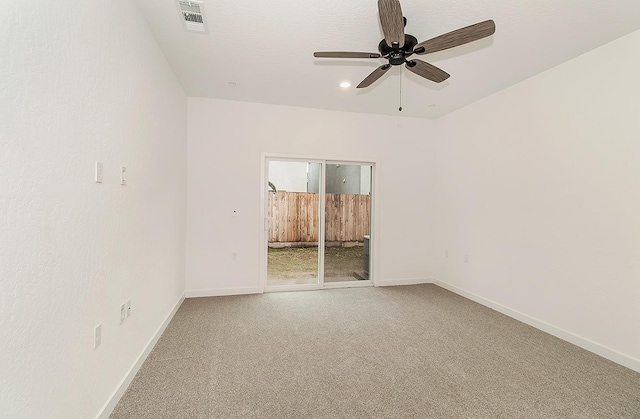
294	217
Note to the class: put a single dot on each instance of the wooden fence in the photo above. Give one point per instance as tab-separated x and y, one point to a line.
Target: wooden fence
294	217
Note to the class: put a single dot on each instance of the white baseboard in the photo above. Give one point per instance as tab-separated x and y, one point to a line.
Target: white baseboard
223	291
124	384
218	292
402	281
570	337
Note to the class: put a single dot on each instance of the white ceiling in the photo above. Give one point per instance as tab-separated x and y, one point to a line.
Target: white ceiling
266	48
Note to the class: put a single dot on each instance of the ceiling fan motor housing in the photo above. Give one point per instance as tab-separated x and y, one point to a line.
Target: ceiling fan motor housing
397	55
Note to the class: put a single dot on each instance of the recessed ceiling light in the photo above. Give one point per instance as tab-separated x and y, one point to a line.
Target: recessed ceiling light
232	84
432	105
345	84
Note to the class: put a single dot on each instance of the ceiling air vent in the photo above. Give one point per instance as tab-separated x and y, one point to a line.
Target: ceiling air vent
192	16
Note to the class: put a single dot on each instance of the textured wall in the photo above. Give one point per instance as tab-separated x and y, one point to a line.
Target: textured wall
226	139
80	82
539	185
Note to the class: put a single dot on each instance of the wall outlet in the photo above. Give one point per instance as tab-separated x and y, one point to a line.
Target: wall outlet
128	308
123	312
123	175
234	256
467	259
97	336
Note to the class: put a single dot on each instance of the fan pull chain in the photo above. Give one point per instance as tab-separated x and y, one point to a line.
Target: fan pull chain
400	108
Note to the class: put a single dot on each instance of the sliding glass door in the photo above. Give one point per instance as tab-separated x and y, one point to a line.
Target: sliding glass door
318	223
347	222
293	211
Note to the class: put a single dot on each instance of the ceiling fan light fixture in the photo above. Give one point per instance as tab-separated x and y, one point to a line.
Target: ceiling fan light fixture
397	46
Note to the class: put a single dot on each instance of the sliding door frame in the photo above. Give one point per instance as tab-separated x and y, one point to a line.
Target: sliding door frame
264	222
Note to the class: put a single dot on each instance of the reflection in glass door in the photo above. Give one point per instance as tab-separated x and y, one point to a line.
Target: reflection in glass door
347	214
293	211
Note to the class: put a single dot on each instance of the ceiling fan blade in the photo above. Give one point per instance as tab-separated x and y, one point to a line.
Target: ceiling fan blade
392	21
340	54
375	75
456	38
428	71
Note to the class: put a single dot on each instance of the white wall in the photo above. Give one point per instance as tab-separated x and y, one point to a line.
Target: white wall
365	180
288	176
539	184
80	82
225	154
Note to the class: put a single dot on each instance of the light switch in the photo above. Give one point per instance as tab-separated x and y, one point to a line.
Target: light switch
98	172
123	175
97	336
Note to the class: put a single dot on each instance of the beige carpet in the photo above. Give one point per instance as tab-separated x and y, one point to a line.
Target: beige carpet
396	352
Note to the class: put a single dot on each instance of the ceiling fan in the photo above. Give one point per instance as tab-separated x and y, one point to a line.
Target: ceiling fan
397	47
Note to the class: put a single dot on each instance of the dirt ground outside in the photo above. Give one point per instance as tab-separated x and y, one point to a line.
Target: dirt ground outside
292	263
